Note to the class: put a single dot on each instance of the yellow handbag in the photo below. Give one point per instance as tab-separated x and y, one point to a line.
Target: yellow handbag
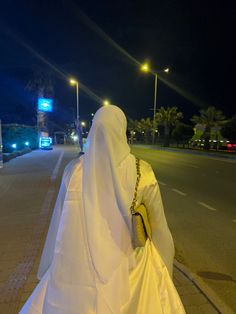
140	224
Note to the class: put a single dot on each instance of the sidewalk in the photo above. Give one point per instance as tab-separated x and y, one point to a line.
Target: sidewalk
196	297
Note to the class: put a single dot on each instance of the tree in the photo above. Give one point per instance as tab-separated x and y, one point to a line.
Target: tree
168	118
145	127
132	126
229	129
210	118
182	133
19	134
141	129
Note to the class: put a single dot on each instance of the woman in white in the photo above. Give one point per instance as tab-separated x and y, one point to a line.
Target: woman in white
88	265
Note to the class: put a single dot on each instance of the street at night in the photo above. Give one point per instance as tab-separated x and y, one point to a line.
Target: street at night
105	80
199	198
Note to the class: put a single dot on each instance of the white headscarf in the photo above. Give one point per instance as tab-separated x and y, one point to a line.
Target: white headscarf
106	201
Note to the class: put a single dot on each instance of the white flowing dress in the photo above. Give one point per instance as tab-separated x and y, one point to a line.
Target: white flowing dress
68	284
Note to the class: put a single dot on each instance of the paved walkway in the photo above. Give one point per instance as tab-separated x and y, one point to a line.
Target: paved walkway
194	300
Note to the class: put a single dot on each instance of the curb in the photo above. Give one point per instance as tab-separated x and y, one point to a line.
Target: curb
213	298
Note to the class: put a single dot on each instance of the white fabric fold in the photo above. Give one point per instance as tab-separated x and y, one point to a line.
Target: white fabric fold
106	202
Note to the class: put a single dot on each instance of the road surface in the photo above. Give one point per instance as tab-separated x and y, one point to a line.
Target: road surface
199	195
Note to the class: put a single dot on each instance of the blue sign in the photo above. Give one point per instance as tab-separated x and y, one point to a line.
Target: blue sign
45	104
45	142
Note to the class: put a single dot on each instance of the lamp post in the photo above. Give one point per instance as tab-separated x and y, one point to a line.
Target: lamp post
75	83
146	68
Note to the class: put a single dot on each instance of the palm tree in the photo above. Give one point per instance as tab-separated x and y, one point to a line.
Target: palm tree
229	129
183	133
141	128
210	118
145	127
132	126
168	118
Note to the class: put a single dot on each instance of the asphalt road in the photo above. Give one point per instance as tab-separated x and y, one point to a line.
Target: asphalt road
199	195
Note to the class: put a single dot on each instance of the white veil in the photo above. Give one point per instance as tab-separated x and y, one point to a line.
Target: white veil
106	202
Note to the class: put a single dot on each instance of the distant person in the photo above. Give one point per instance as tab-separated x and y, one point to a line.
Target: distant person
89	264
80	134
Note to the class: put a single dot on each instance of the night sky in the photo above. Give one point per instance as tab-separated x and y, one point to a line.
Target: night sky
194	39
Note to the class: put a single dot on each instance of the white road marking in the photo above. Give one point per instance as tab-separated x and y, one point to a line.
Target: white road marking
207	206
161	183
57	167
179	192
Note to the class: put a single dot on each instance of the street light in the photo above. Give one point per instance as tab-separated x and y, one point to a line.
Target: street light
73	82
83	125
106	102
146	68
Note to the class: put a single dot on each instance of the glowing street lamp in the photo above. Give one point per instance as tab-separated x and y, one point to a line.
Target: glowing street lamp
146	68
106	102
74	82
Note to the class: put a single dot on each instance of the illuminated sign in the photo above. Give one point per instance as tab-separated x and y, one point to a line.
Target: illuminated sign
45	104
45	142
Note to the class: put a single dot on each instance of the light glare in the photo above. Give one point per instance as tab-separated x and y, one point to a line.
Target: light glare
145	67
73	82
106	103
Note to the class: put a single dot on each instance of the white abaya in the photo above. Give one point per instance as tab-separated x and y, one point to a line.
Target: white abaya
88	264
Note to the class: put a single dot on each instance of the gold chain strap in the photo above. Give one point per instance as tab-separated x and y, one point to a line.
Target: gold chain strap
132	208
